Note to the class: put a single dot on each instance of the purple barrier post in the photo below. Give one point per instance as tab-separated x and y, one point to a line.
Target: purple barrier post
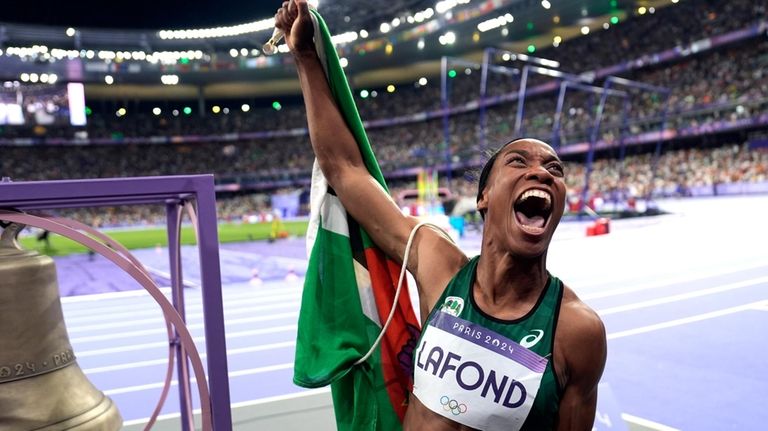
177	297
446	114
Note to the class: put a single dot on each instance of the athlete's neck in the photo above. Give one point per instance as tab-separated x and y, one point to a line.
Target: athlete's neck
504	280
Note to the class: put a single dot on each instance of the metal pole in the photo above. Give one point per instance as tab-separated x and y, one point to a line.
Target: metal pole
558	114
177	297
659	141
483	92
213	310
521	102
445	108
592	143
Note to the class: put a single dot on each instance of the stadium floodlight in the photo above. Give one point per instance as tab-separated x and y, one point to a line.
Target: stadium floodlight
423	81
364	33
157	111
246	107
169	79
497	22
546	4
342	38
385	27
205	33
343	62
109	79
420	44
71	32
585	30
448	38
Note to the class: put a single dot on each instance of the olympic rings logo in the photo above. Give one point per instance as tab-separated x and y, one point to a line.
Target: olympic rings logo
452	406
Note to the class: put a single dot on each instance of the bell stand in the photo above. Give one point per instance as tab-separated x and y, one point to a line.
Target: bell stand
173	192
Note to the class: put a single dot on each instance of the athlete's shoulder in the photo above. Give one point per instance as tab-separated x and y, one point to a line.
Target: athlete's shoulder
581	335
579	317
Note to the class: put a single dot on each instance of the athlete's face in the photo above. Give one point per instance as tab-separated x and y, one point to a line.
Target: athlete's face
524	198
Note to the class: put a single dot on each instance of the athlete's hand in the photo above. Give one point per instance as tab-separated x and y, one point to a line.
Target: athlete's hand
294	20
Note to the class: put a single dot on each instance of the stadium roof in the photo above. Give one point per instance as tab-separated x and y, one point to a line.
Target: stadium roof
397	54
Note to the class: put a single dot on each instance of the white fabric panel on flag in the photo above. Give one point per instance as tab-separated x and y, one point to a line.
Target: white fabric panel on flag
333	216
365	290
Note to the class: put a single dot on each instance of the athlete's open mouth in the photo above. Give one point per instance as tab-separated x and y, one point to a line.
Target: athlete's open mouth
532	210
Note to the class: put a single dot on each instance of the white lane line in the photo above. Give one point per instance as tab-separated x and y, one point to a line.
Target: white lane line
265	400
192	302
762	307
248	372
153	309
161	329
682	296
637	421
109	295
163	361
197	340
667	282
191	317
685	320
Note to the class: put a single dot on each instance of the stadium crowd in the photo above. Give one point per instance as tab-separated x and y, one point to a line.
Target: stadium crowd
725	84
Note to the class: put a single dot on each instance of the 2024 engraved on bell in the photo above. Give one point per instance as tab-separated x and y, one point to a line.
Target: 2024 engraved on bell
41	386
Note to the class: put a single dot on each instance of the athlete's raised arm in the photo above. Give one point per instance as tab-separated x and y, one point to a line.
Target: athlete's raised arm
339	158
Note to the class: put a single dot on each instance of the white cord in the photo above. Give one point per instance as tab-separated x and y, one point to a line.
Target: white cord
399	286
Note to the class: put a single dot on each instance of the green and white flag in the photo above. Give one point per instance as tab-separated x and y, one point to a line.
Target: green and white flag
349	291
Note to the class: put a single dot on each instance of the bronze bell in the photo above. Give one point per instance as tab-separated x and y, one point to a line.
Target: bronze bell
41	386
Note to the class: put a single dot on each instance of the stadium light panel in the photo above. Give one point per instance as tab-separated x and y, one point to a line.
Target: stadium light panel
556	19
585	30
374	93
70	32
343	62
390	88
187	110
423	81
364	94
24	77
451	73
225	111
157	111
216	109
364	33
385	27
546	4
614	20
420	44
531	49
175	112
245	107
33	78
606	26
233	52
276	105
642	10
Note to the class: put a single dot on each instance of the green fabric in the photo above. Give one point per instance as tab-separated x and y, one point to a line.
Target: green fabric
333	330
543	316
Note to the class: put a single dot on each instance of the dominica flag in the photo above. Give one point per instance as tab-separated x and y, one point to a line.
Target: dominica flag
348	294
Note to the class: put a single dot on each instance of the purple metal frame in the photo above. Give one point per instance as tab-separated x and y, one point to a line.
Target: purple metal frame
172	191
564	86
609	82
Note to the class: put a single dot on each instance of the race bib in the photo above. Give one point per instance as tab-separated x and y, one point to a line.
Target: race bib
475	376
